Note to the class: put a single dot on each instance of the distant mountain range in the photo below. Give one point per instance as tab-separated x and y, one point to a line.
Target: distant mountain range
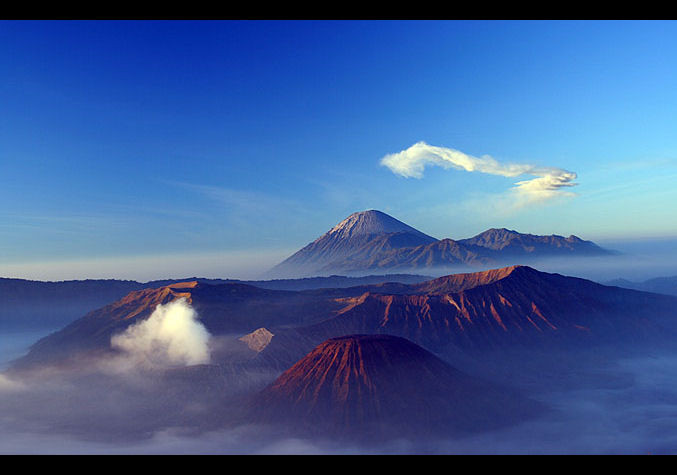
659	285
371	241
29	304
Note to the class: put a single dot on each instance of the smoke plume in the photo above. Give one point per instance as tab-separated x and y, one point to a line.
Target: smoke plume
171	336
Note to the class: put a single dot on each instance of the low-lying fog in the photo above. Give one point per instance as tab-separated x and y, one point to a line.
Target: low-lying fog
636	260
104	406
104	413
14	344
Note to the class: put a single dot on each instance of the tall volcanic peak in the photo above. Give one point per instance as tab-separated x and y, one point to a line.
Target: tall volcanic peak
372	222
354	241
382	386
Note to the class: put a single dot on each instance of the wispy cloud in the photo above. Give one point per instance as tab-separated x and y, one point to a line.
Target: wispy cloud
247	202
255	211
548	182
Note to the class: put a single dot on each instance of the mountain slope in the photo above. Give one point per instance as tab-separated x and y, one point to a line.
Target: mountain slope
515	307
512	307
442	253
382	386
222	309
511	243
358	237
372	240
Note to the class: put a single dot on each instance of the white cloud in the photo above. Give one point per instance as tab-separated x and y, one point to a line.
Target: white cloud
171	336
549	182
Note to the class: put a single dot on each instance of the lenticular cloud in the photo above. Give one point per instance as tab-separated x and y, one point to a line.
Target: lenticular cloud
171	336
549	182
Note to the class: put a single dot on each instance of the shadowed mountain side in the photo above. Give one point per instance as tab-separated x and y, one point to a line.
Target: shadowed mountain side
377	387
442	253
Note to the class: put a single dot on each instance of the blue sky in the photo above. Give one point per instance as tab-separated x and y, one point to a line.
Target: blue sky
156	149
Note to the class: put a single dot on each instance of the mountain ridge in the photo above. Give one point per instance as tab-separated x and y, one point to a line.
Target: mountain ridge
515	306
371	240
29	304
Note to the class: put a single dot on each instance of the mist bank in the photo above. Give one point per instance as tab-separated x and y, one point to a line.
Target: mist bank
152	397
637	260
236	264
622	403
634	260
14	344
94	412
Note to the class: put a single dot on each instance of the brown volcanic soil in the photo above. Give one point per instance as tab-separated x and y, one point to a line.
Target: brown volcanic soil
376	387
516	305
459	282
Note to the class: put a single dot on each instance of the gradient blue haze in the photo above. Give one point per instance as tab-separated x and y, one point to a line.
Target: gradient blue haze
129	140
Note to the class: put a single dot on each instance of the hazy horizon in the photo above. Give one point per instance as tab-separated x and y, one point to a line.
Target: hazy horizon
640	259
147	142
